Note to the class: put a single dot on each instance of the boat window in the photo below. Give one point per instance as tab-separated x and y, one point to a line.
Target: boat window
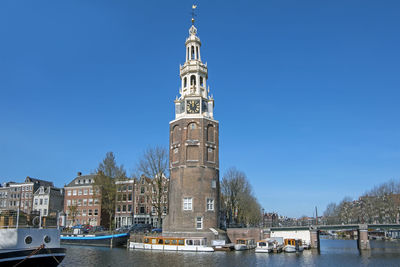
189	242
167	242
240	241
196	242
174	242
160	241
153	241
262	244
47	239
180	242
146	240
28	239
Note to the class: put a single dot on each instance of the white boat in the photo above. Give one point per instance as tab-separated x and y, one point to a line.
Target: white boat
244	244
194	244
264	246
30	247
293	245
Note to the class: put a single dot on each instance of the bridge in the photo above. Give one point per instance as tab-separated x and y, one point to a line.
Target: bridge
314	232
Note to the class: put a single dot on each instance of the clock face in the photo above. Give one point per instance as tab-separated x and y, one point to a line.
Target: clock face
193	106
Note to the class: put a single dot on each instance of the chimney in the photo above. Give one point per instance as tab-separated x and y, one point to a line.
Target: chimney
79	173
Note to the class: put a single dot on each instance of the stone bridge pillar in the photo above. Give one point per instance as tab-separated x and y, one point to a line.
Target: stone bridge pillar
314	238
363	242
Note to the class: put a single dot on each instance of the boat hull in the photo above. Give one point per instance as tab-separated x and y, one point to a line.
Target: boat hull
263	250
119	240
134	245
46	257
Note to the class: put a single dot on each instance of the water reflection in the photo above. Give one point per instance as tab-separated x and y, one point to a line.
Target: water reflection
333	253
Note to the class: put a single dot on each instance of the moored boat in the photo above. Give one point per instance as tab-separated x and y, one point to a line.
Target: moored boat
264	246
30	247
195	244
244	244
101	240
293	245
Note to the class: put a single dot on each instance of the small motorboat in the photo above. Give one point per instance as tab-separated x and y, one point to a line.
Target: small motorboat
264	246
244	244
293	245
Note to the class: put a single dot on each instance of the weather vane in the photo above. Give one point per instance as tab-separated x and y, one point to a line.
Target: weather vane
193	14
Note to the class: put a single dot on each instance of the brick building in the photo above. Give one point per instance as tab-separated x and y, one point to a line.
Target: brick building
194	149
124	203
137	201
81	200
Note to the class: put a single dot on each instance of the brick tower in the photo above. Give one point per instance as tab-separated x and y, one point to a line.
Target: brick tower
193	152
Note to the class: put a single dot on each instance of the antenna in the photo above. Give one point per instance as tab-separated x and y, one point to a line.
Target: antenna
193	13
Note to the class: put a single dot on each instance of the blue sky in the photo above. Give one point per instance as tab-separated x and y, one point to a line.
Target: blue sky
306	92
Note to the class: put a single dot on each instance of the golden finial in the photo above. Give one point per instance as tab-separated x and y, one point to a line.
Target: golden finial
193	14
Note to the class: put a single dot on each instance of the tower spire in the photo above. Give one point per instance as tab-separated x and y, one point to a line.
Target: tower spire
193	14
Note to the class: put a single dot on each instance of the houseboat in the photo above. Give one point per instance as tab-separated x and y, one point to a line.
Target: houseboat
100	240
195	244
264	246
293	245
30	247
244	244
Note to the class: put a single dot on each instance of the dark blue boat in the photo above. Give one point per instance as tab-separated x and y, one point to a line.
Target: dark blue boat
117	240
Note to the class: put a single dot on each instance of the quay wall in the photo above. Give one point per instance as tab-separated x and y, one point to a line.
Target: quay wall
235	233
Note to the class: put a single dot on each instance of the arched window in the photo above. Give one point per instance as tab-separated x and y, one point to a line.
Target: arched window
188	54
210	133
193	131
197	52
185	82
192	55
175	134
201	81
193	80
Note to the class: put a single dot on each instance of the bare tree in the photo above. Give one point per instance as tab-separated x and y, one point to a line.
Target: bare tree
107	174
239	203
73	211
154	164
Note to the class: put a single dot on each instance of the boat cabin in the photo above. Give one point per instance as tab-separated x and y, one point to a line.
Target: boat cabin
245	241
175	241
293	242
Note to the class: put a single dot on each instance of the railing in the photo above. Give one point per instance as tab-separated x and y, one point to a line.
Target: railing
19	219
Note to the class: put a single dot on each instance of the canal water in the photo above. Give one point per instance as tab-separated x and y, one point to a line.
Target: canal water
333	253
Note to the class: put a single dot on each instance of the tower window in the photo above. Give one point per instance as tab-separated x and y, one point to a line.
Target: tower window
188	54
193	80
192	54
201	81
197	52
185	82
187	203
199	222
210	133
210	204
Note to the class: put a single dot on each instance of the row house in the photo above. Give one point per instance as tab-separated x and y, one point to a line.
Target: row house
124	214
137	201
82	203
48	201
4	191
20	195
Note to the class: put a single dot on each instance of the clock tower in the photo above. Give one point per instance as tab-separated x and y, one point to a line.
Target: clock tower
193	152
